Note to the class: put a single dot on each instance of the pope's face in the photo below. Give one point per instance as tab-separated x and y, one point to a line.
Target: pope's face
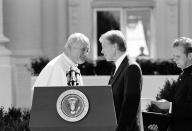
79	53
108	50
180	58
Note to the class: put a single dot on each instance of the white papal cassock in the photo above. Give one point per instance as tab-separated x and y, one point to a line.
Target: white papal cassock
54	73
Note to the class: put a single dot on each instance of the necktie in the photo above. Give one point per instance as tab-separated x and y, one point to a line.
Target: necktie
112	74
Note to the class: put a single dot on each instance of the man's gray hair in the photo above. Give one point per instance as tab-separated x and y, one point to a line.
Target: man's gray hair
115	37
77	39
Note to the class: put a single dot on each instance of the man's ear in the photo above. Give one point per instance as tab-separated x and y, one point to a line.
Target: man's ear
190	56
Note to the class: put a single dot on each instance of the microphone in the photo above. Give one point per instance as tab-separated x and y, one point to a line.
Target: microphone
73	76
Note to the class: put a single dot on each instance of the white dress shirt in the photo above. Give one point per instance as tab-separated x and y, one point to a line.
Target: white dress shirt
119	61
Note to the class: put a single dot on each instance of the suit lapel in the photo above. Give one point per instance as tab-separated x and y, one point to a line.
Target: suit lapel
122	66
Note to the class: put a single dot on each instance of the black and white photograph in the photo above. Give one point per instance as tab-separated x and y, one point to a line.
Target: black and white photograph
95	65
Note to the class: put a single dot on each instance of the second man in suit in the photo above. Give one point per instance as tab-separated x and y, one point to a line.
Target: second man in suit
126	81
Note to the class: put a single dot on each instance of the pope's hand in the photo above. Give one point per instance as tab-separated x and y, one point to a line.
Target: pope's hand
162	104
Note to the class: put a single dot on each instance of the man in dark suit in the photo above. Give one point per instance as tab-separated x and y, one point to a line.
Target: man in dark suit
180	107
126	81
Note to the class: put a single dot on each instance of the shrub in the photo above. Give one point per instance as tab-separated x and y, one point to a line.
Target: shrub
14	119
158	67
87	68
37	64
166	67
102	67
165	93
147	66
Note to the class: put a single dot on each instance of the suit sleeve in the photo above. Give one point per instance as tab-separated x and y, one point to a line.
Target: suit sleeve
131	100
184	110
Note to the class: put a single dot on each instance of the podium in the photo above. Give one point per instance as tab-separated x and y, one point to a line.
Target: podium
99	114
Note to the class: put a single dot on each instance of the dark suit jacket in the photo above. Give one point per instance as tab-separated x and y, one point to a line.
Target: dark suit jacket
126	87
182	102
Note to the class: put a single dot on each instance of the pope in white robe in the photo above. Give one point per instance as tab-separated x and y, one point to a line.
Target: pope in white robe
54	73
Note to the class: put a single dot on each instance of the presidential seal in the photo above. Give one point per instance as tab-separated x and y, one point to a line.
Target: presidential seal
72	105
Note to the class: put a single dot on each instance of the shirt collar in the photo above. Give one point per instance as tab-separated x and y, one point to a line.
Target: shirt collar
119	61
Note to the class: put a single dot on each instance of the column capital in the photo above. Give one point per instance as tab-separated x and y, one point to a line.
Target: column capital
3	50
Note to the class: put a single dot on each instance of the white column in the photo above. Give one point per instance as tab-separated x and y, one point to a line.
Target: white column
22	22
62	24
172	26
55	26
5	68
74	15
80	20
166	27
23	26
49	27
185	18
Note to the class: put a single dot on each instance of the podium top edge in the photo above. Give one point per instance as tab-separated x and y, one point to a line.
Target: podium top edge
71	86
